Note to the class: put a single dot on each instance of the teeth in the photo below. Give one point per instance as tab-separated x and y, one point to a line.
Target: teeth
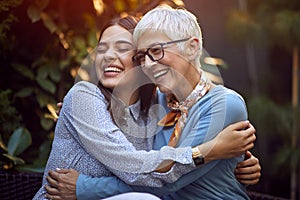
160	73
112	69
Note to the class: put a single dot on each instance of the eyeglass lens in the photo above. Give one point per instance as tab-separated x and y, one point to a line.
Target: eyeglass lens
155	53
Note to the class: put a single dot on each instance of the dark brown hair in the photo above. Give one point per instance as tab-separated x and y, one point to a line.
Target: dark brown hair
147	91
129	23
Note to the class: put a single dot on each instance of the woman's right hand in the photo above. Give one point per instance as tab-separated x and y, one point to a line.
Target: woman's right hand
233	141
61	184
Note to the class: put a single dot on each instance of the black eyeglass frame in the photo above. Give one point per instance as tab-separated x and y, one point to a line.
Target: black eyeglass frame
144	53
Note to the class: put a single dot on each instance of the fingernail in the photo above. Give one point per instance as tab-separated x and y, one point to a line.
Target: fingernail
57	169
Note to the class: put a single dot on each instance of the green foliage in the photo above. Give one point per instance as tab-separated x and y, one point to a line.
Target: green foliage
42	45
286	24
5	5
19	141
269	21
276	23
242	27
9	117
274	126
6	22
14	139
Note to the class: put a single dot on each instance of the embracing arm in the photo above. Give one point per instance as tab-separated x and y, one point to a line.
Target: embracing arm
68	184
85	113
63	184
206	119
240	144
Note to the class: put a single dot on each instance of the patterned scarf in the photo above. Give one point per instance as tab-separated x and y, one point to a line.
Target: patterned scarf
179	111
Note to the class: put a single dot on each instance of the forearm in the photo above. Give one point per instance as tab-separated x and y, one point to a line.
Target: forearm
97	188
154	179
102	187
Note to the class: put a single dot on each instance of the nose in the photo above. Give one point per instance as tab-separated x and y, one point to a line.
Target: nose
148	62
110	55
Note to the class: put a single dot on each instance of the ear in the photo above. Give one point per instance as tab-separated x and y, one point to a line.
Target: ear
192	48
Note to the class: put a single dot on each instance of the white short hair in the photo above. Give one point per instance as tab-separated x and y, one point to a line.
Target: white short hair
175	23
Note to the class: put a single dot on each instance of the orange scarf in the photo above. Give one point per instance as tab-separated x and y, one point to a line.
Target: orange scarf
179	113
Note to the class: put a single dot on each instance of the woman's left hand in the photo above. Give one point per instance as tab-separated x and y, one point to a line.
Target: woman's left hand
248	172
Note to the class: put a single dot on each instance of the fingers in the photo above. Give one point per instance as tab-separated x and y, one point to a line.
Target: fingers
249	137
52	193
248	182
51	190
248	175
59	106
248	172
253	177
56	174
248	131
248	154
241	169
250	165
249	160
53	174
62	171
53	197
249	143
240	125
52	182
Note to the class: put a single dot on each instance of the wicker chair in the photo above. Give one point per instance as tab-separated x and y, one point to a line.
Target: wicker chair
19	186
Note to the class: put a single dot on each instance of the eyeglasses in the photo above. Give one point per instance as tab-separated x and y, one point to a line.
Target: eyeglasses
155	52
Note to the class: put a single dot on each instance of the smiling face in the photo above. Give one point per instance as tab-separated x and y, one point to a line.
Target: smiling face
114	56
174	73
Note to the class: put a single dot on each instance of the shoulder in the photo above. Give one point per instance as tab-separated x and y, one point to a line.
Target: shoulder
228	96
222	102
233	99
234	104
84	89
224	92
84	94
84	86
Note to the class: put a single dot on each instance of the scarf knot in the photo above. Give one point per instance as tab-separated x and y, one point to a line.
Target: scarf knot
179	110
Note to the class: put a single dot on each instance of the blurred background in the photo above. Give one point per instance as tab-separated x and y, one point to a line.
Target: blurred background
253	43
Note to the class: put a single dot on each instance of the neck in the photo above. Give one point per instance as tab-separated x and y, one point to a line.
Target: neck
128	97
188	85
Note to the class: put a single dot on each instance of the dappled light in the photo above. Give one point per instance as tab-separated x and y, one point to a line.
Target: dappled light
251	46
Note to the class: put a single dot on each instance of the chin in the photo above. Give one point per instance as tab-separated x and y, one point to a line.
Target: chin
109	85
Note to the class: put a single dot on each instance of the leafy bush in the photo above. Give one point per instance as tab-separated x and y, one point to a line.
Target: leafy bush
42	45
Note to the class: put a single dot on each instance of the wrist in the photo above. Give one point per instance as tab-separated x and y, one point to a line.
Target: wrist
197	156
207	151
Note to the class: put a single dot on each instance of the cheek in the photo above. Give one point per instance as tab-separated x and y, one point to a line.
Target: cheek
98	60
126	61
98	63
176	62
